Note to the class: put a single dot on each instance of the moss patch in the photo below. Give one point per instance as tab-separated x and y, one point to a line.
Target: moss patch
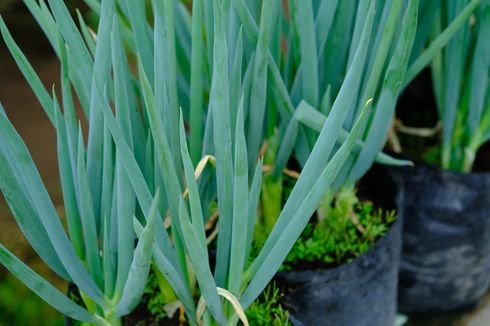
349	230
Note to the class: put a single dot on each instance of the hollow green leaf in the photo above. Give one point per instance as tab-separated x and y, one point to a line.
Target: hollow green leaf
108	267
200	262
220	105
166	73
136	14
480	70
253	202
197	217
87	216
197	80
360	20
140	266
323	22
259	86
236	87
240	207
67	183
309	56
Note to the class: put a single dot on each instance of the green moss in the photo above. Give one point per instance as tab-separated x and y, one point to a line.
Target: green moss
349	230
156	300
267	310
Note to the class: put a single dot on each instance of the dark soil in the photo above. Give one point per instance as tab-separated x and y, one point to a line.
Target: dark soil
141	316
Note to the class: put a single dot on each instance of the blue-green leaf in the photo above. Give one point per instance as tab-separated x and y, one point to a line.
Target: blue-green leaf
140	267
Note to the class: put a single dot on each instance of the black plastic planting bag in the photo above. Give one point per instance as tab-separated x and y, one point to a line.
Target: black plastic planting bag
356	294
446	252
446	240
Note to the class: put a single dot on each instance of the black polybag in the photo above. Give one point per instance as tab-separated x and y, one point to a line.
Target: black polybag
446	240
360	293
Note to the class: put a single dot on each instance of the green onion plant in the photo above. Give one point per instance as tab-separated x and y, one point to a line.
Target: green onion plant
305	77
97	254
460	75
136	167
319	52
165	88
